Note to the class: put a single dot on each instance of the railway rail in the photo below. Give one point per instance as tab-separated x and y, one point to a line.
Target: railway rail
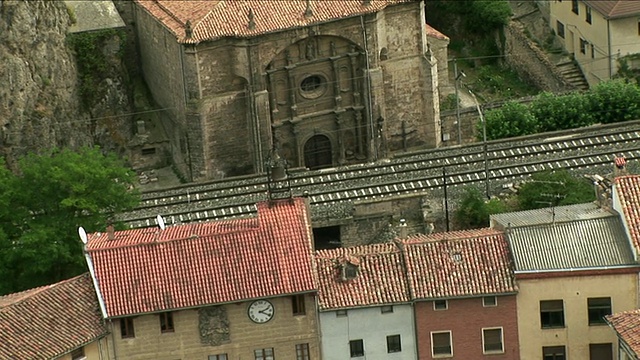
410	174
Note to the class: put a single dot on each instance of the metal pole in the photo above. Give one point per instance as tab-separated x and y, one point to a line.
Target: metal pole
456	78
484	145
446	198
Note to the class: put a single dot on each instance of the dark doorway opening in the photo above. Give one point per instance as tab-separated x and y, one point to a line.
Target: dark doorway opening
327	237
317	152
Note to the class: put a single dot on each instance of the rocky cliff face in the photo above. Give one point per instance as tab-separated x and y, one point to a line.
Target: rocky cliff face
40	93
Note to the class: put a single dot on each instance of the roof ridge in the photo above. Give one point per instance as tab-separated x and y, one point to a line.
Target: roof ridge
168	12
220	3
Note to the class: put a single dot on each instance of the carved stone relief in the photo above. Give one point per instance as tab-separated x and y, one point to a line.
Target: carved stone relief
213	325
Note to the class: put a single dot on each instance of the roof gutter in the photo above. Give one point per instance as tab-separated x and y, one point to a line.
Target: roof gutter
629	266
96	286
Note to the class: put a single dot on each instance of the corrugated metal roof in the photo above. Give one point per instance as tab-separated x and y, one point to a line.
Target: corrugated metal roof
149	270
549	215
216	19
579	244
613	9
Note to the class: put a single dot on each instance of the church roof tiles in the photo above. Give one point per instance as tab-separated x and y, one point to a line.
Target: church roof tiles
197	21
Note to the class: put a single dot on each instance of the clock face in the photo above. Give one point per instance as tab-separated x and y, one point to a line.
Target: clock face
261	311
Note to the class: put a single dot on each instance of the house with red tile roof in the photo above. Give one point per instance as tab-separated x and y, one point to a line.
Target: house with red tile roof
464	295
574	265
625	198
231	289
626	326
364	304
325	82
58	321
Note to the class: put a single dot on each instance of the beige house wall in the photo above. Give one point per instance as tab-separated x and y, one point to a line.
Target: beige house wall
607	39
574	291
97	350
281	333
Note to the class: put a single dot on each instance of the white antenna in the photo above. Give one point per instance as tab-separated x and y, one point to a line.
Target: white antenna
161	222
83	235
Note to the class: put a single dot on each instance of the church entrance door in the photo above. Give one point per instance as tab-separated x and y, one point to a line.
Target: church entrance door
317	152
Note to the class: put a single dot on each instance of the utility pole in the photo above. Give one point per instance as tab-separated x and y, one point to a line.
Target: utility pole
446	198
484	145
457	76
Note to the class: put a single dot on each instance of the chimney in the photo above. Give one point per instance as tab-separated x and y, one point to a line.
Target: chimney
620	168
403	229
111	235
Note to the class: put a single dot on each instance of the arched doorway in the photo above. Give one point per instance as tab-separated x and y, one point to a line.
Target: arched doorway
317	152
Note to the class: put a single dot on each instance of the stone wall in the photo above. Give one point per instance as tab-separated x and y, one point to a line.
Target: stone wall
531	63
281	333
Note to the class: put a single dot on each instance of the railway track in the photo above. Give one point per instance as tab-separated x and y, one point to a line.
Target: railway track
409	174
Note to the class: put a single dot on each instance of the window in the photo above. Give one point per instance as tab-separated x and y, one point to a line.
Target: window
312	87
583	46
166	322
302	351
148	151
575	7
492	340
218	357
356	347
78	354
126	328
598	309
297	304
441	343
393	344
386	309
341	313
587	16
489	301
440	305
553	353
601	351
560	29
264	354
593	51
638	26
551	314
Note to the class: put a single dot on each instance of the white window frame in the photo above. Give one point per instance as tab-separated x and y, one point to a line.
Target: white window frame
495	301
446	305
501	340
450	344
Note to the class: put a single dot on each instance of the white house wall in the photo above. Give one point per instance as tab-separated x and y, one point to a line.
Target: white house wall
373	327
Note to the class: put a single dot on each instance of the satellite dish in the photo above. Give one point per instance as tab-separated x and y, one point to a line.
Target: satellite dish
161	222
83	235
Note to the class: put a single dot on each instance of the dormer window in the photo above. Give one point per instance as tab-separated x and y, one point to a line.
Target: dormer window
349	271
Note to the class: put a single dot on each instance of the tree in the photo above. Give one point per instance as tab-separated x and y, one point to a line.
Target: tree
473	211
512	119
53	194
614	101
553	189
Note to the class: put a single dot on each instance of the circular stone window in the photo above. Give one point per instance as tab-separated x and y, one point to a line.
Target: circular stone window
313	86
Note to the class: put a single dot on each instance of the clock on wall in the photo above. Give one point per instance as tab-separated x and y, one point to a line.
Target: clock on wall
261	311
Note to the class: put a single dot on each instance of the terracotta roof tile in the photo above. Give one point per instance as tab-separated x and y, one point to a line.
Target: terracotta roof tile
462	263
151	270
627	325
613	9
380	279
215	19
628	191
49	321
432	32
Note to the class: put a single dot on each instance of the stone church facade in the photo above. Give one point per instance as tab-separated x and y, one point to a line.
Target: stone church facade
325	83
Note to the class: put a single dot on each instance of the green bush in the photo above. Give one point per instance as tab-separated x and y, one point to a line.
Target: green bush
608	102
486	15
512	119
